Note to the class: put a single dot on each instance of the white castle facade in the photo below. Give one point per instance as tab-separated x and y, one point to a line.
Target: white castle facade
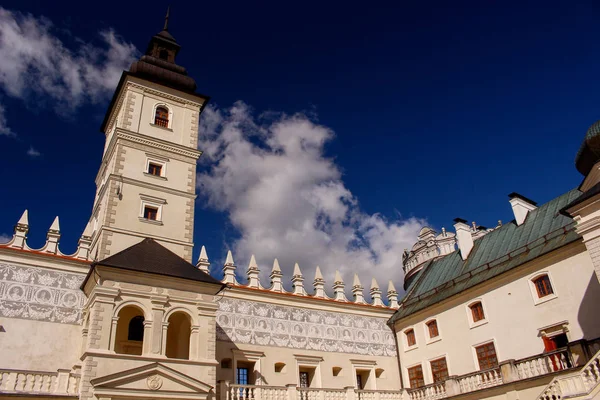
503	313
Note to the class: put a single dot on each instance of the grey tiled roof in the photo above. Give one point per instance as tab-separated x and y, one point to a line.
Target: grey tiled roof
545	229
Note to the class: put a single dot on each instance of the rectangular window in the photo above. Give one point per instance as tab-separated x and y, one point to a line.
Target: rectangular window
410	337
486	355
415	376
543	286
439	370
155	169
242	376
150	213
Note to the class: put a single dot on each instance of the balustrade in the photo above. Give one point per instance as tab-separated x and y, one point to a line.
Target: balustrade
38	382
579	383
480	380
429	392
543	364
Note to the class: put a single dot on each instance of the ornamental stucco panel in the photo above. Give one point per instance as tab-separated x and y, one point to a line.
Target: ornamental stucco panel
40	294
247	322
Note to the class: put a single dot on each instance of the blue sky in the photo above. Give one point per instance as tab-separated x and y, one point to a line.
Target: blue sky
430	111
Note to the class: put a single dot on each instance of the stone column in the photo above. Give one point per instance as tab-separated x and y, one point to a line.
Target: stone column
194	341
452	386
113	333
156	336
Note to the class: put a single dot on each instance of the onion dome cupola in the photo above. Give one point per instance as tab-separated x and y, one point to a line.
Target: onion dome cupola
589	152
158	63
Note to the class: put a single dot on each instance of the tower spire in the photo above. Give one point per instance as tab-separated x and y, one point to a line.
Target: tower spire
166	27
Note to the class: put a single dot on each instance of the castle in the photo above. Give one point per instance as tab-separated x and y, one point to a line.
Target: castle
502	313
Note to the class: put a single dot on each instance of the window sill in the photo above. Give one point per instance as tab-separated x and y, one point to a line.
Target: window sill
433	340
150	221
479	323
164	178
411	348
537	301
161	127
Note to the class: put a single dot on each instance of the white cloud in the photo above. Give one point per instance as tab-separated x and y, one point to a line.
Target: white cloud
35	62
288	200
4	128
33	153
5	238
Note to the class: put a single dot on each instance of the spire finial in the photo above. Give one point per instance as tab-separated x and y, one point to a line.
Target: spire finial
166	28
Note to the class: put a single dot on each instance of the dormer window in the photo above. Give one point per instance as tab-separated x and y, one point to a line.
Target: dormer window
161	116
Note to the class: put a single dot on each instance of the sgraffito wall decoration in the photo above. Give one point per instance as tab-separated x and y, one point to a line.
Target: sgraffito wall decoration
40	294
248	322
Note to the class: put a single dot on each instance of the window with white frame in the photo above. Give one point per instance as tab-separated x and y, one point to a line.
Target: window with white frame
151	209
156	166
476	313
432	331
162	116
541	288
410	338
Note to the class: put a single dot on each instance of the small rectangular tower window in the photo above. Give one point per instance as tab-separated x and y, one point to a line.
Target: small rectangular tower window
155	169
151	213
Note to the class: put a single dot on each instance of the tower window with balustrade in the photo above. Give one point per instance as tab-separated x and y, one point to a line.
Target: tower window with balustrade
161	116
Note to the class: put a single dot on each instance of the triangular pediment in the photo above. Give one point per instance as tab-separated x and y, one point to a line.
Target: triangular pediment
152	380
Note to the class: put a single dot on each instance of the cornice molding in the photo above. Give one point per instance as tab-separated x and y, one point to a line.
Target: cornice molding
157	143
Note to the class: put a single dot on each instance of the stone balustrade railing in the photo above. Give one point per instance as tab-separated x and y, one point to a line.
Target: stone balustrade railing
429	392
544	363
291	392
480	380
580	383
62	382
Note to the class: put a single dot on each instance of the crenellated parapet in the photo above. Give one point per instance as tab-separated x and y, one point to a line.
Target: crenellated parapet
19	240
298	283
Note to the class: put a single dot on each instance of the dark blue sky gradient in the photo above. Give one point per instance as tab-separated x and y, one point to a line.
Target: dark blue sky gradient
440	109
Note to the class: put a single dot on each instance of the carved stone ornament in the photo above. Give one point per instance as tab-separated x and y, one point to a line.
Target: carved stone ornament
154	382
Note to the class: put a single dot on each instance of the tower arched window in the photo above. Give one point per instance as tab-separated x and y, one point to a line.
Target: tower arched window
161	116
163	55
129	337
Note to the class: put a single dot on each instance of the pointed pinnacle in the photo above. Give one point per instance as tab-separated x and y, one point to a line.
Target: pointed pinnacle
166	27
338	277
297	270
391	287
203	256
88	230
252	264
229	259
24	220
374	284
276	266
356	281
55	225
318	274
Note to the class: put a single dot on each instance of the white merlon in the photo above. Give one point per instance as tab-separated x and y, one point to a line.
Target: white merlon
338	287
521	206
376	293
84	243
253	271
319	284
20	236
357	290
229	270
298	281
52	238
276	275
392	295
203	264
463	237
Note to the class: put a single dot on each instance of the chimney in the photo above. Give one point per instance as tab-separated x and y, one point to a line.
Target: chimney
463	237
521	206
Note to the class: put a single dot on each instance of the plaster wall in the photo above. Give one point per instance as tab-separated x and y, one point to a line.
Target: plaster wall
513	317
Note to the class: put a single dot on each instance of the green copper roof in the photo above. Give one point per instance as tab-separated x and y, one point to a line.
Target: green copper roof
589	152
501	250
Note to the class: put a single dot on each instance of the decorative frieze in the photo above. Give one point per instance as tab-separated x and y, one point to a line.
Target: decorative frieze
248	322
40	294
